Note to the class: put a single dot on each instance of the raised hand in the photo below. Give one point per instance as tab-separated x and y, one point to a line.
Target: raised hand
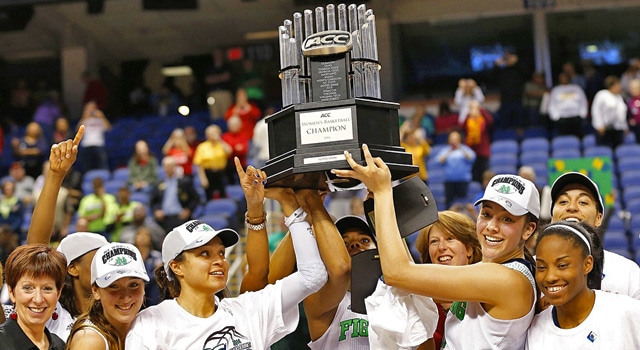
375	175
64	153
252	181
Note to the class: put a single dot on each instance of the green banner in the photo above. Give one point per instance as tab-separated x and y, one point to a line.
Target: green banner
598	169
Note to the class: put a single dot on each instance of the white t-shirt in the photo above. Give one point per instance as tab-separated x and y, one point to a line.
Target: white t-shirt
253	320
621	275
62	326
348	330
94	129
612	324
469	326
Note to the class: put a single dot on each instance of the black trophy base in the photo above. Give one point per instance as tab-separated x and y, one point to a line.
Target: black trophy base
302	159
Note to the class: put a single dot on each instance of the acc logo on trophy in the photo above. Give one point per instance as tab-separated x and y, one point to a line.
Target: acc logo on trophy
327	43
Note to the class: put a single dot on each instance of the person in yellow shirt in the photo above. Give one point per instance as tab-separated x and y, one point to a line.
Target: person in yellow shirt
211	160
414	142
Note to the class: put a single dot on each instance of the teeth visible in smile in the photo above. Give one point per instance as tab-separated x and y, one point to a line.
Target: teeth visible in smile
554	289
125	308
38	310
217	273
444	258
572	220
492	239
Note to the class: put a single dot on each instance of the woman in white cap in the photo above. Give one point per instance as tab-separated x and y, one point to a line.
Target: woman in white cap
493	301
118	276
580	317
195	269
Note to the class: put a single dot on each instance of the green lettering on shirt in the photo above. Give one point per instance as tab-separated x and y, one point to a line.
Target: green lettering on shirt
359	328
458	309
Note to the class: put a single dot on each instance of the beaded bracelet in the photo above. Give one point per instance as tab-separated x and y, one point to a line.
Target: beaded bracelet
255	220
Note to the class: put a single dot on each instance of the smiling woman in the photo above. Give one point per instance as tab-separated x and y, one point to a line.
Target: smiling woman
579	317
35	274
118	275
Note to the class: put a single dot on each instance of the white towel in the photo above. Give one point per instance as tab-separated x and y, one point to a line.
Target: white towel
399	319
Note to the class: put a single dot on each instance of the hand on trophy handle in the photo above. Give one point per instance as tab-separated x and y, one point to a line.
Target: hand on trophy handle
375	174
252	181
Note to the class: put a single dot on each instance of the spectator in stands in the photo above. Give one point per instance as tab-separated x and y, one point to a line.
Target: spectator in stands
219	84
449	241
467	91
259	145
446	121
177	146
211	159
47	112
632	72
457	159
124	212
174	199
414	142
239	143
95	91
527	172
422	121
534	89
143	168
11	207
569	69
633	103
20	102
248	112
165	102
98	208
23	182
192	137
477	130
31	149
510	75
62	130
93	154
152	258
568	106
576	198
593	78
252	82
140	220
609	114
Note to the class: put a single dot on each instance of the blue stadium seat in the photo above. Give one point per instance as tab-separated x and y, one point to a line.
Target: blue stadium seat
630	193
530	157
105	174
629	178
588	141
112	186
615	240
436	176
505	169
500	159
627	164
535	144
506	134
505	146
221	206
216	221
565	142
120	174
616	223
598	151
626	150
535	132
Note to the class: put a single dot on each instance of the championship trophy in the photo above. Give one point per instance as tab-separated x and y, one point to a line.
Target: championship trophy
331	101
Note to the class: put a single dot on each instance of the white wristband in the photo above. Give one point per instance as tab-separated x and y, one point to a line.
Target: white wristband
298	216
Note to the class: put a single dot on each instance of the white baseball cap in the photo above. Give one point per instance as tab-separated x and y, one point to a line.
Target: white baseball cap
78	244
515	194
115	261
193	234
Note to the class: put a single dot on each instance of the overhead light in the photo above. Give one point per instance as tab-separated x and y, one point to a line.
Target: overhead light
176	71
267	34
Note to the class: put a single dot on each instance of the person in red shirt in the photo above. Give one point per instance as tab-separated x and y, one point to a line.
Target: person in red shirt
95	91
239	143
248	113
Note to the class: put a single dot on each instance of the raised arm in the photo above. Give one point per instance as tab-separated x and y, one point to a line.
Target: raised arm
257	246
61	158
320	307
493	284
